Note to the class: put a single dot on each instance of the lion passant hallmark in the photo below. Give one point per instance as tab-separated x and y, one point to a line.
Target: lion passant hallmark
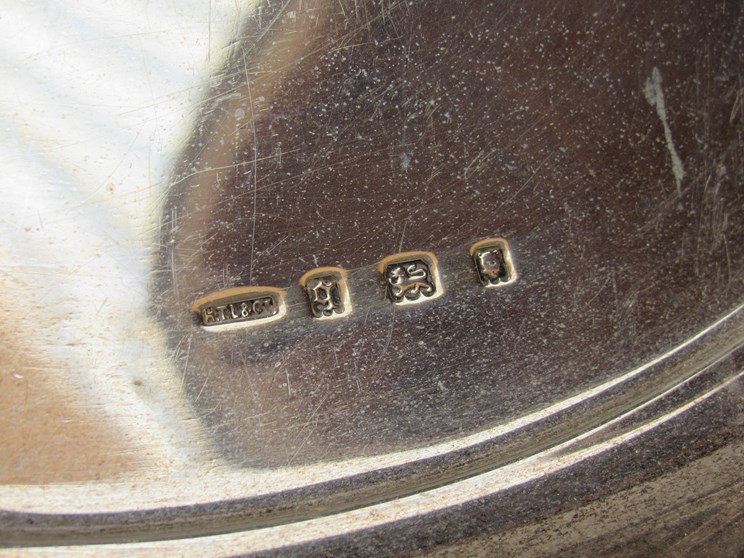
411	277
406	278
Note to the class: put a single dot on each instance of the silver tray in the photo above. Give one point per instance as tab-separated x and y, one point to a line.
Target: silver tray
372	278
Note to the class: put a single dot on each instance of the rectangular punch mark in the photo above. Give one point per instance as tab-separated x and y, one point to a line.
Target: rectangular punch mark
411	277
240	306
493	262
327	292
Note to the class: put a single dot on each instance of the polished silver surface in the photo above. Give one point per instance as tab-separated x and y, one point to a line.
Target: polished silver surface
385	164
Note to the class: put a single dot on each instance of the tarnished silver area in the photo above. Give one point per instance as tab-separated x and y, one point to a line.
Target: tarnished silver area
327	292
158	153
493	262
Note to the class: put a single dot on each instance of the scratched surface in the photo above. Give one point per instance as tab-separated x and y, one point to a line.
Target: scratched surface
155	153
612	163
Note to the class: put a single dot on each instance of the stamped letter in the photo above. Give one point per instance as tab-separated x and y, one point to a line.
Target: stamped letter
493	262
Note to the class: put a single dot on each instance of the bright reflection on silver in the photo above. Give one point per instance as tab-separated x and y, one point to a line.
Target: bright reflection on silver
154	154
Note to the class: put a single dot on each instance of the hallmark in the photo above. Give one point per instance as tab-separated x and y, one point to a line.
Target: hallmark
327	292
411	277
240	306
493	262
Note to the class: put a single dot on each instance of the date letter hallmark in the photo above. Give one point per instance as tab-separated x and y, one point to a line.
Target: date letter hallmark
411	277
239	307
327	292
493	262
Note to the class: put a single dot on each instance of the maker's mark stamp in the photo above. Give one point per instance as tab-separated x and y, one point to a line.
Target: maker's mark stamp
493	262
411	277
327	292
240	306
